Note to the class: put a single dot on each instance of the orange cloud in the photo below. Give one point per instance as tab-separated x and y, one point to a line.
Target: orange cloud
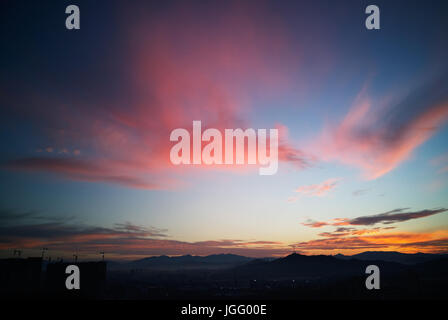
348	238
435	242
344	231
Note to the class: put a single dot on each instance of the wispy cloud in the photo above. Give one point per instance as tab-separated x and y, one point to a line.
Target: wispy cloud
346	234
342	232
378	139
441	162
82	170
360	192
396	215
318	190
289	153
124	137
122	240
436	242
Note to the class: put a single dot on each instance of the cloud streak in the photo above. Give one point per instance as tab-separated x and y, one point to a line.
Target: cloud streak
393	216
122	240
377	140
81	170
347	236
316	190
436	242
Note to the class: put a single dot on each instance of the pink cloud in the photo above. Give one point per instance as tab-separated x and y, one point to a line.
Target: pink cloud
318	190
441	162
179	68
378	140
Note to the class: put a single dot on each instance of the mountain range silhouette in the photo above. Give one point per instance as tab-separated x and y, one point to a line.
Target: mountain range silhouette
293	265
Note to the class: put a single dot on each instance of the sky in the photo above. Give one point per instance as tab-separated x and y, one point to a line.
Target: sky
86	117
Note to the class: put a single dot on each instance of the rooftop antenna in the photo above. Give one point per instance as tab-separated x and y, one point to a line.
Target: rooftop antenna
102	253
43	252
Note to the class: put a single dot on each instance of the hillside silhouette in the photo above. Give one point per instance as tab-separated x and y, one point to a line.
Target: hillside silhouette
393	256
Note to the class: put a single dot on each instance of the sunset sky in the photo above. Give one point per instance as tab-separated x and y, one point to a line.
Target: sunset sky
86	117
